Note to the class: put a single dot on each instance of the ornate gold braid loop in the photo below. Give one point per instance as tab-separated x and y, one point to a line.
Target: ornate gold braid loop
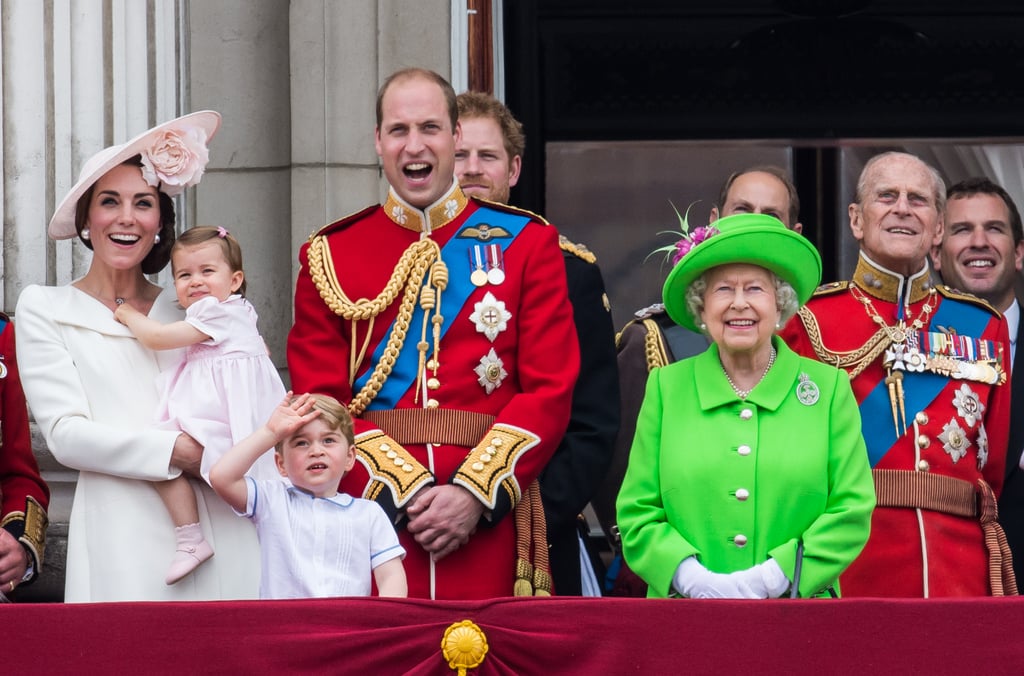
654	346
854	361
408	273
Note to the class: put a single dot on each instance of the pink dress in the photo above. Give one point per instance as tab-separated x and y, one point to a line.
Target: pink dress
226	386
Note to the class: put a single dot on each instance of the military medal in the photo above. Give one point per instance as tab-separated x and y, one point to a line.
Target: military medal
900	352
476	261
968	405
982	448
954	440
490	316
495	264
490	371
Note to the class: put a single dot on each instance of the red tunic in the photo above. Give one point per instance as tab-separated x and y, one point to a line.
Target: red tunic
24	496
524	377
918	552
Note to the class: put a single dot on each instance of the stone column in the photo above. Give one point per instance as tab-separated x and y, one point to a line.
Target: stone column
340	54
78	75
239	63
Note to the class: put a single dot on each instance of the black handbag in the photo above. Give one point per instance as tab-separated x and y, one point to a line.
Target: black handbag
794	590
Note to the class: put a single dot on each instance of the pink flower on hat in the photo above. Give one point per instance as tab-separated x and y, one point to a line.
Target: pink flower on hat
175	159
690	240
687	239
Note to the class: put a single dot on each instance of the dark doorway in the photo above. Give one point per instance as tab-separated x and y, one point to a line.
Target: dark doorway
820	85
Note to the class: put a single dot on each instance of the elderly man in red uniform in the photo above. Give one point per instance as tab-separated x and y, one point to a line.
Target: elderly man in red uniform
445	323
929	369
24	496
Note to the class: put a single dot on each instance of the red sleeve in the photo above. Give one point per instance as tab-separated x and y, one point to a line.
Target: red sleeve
997	415
20	482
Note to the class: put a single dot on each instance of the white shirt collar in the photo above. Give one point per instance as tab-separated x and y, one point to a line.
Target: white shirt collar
1012	315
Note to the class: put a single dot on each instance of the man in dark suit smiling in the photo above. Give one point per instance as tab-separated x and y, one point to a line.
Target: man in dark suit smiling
981	252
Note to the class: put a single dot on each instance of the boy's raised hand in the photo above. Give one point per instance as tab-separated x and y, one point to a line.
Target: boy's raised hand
291	414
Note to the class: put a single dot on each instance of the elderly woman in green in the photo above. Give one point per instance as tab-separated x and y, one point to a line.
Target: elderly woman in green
748	471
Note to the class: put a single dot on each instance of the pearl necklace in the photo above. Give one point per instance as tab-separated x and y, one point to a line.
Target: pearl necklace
742	394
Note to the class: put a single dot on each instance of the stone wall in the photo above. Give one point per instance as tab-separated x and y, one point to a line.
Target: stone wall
295	82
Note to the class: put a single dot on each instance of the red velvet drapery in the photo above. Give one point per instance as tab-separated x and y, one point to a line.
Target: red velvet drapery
524	636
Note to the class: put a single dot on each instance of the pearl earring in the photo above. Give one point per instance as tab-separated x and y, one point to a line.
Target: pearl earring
85	233
156	240
703	326
778	326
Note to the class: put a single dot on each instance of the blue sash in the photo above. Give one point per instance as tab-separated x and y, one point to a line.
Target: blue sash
919	389
456	255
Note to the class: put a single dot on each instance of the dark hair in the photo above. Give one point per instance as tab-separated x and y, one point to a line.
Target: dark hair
412	73
157	258
229	246
979	185
478	104
777	172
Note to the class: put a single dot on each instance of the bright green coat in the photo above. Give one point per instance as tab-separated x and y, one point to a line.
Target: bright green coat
692	486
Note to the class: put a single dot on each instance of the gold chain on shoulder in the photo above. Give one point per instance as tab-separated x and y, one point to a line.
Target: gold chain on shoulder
854	361
654	346
408	275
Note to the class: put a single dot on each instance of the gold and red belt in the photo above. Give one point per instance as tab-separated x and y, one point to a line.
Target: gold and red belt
948	495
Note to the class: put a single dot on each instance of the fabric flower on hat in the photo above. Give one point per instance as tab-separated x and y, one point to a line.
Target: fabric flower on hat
175	159
687	239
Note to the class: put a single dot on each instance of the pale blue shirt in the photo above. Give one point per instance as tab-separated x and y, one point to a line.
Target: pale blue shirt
317	547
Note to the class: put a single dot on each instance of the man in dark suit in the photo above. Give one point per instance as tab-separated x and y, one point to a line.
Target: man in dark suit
488	159
981	252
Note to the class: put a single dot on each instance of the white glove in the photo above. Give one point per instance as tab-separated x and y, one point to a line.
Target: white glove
692	579
766	580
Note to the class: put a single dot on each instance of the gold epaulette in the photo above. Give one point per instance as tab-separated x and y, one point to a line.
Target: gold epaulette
956	294
830	288
508	208
344	222
578	250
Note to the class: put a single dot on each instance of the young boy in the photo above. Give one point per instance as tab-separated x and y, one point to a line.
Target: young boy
314	542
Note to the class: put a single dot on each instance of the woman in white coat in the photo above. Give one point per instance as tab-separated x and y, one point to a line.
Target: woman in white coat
92	386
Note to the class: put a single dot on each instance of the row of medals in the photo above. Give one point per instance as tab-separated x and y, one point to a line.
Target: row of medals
488	264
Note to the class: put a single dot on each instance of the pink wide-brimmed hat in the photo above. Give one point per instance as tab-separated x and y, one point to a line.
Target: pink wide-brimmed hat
174	155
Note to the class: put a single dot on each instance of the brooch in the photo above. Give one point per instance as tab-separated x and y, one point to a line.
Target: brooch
807	391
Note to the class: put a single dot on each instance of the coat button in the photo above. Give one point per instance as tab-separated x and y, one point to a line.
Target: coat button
923	465
743	450
740	540
923	441
742	494
921	418
746	414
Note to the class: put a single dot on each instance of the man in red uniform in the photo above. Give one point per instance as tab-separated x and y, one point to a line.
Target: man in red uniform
24	496
445	324
929	368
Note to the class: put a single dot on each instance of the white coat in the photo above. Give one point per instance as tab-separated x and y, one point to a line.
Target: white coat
91	386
